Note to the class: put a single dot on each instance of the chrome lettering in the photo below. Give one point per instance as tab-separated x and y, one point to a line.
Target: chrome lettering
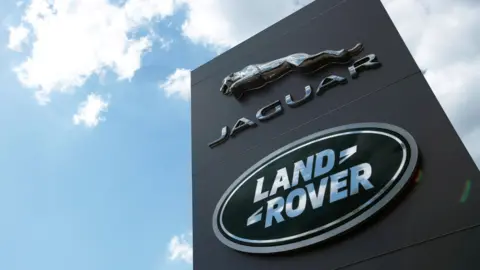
302	202
337	182
316	198
281	181
320	167
359	176
259	195
274	211
340	185
368	62
329	83
294	104
241	125
270	111
299	168
223	138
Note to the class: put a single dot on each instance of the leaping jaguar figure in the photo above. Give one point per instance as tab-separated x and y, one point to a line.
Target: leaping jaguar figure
256	76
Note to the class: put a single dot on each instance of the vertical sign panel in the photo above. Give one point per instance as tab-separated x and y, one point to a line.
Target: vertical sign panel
319	142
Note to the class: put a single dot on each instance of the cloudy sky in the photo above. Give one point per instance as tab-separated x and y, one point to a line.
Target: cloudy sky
94	106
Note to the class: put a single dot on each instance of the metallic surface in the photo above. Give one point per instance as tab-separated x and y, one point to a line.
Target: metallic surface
304	170
241	125
307	97
368	62
360	179
302	202
270	111
338	181
223	138
257	76
328	83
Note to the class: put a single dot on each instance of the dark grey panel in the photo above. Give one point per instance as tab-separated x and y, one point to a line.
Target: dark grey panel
432	208
341	27
456	251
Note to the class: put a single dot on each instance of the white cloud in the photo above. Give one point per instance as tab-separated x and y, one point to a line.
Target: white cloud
89	111
224	23
180	248
75	39
443	37
165	43
18	37
177	83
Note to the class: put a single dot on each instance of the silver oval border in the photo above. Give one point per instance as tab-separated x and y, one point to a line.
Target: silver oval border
344	227
365	205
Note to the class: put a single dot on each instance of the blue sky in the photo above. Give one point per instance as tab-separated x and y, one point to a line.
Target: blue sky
104	197
111	189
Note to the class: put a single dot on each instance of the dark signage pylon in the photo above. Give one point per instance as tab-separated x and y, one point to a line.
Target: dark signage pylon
327	158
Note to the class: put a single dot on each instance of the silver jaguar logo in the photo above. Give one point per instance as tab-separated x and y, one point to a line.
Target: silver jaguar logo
257	76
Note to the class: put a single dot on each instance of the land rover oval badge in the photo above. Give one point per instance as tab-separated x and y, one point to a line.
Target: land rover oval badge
315	188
